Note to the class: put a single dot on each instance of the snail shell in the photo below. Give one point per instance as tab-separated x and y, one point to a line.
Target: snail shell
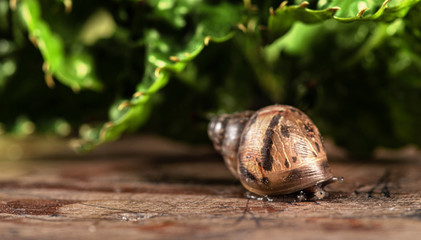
275	150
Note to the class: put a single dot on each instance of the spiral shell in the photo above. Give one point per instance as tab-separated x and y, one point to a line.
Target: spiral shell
275	150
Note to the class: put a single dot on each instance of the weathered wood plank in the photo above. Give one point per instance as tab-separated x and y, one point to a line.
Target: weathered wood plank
149	188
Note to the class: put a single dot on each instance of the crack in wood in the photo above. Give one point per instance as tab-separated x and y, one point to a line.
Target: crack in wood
119	213
383	180
247	211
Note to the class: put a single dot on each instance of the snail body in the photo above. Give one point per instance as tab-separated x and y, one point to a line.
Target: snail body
276	150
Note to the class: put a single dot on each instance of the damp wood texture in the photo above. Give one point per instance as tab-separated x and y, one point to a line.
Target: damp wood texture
150	188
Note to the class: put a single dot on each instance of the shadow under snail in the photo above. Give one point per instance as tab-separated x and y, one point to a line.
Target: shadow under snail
276	150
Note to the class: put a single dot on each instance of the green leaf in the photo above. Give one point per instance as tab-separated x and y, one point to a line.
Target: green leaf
76	70
282	19
285	16
388	10
164	56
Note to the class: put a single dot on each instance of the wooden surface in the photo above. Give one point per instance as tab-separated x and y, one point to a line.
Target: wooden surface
149	188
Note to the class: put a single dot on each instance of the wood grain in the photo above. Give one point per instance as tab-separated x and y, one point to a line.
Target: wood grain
150	188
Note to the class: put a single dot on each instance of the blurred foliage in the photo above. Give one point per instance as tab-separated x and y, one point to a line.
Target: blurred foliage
98	69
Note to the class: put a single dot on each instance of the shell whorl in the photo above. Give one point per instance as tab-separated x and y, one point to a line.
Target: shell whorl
225	132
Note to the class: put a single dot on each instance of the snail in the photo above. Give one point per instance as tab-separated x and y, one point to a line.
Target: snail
276	150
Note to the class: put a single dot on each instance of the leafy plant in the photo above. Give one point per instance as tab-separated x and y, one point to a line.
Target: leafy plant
168	65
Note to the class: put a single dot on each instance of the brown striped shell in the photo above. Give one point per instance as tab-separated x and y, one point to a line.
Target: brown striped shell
275	150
